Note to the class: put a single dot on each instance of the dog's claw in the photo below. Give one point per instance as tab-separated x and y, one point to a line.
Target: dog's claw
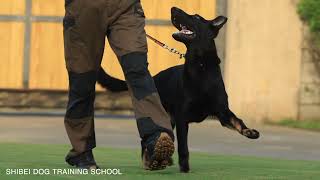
251	133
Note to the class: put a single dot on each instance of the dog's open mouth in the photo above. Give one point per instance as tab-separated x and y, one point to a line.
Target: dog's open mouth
184	30
183	23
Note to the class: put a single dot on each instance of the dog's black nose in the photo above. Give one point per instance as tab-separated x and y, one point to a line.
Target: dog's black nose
175	10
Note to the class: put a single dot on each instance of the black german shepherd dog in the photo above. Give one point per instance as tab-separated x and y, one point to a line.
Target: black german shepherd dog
195	90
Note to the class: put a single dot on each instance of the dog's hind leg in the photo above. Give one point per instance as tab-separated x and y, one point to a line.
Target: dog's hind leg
231	121
182	136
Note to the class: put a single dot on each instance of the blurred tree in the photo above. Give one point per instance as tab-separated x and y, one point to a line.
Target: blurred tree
309	11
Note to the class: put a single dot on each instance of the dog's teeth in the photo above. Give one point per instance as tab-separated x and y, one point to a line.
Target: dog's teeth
185	31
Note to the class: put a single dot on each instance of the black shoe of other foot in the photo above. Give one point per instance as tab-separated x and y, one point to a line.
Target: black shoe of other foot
84	160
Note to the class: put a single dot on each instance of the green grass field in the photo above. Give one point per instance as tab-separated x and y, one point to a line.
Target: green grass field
312	125
204	166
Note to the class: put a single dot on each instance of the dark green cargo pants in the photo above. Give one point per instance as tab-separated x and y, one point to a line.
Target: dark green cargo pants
86	24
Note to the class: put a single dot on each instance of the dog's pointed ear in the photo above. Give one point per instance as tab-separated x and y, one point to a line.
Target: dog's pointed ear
219	21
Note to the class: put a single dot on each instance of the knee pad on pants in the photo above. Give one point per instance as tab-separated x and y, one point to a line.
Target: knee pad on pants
81	94
135	68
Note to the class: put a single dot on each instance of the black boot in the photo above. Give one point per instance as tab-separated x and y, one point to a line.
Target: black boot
84	160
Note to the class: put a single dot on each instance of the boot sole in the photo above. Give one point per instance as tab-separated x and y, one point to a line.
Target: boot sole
163	150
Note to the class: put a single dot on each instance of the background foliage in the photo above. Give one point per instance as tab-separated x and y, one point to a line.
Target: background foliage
309	11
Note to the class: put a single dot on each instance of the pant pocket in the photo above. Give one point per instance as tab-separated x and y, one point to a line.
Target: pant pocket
76	54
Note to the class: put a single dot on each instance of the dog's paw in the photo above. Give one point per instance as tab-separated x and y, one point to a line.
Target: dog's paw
251	133
184	166
184	169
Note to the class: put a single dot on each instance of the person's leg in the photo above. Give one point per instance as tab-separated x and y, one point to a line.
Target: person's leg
149	112
78	120
84	44
127	38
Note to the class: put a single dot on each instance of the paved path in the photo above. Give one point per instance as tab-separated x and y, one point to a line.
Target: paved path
208	136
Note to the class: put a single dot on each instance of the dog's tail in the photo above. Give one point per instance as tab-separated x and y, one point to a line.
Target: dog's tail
110	83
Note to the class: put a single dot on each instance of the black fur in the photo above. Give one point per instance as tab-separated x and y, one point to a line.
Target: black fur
111	83
195	90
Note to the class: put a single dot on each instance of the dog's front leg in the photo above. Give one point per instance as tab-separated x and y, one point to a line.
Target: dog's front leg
182	136
231	121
